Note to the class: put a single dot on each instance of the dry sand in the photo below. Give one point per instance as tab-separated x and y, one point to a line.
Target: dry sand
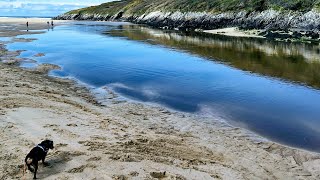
235	32
126	140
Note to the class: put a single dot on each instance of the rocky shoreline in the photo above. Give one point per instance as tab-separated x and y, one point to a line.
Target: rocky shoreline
274	24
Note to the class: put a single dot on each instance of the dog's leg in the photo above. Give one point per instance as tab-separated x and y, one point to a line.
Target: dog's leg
29	167
35	169
43	161
28	162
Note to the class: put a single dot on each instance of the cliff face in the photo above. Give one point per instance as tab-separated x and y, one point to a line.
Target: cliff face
269	19
248	16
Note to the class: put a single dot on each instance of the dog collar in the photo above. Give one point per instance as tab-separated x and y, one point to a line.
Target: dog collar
42	148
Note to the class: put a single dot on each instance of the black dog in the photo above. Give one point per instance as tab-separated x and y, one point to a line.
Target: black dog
36	154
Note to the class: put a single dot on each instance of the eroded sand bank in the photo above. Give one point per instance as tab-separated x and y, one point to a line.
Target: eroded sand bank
126	140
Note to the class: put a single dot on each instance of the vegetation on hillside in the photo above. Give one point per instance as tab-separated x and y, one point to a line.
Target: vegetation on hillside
139	7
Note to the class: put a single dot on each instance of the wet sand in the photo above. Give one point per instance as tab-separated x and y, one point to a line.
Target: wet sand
11	27
125	139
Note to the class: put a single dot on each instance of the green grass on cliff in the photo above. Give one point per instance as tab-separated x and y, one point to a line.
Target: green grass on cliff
139	7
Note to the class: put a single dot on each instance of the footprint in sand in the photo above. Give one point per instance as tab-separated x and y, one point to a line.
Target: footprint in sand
119	177
64	132
104	124
164	174
98	138
158	175
50	125
60	145
80	169
96	158
134	174
72	125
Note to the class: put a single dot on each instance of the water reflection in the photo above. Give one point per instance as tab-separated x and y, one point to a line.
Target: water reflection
298	62
137	63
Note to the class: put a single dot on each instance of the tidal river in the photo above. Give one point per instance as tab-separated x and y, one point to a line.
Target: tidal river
271	88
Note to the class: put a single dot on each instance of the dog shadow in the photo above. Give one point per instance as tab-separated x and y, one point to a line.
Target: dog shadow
56	163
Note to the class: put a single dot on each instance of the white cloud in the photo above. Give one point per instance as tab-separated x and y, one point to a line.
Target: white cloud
20	3
42	8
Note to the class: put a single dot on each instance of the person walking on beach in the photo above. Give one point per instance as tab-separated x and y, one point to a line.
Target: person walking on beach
52	23
48	23
27	24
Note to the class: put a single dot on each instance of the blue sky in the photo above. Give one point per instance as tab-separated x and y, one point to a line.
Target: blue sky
42	7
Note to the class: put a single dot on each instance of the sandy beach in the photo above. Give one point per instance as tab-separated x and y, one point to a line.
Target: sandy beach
11	27
123	139
235	32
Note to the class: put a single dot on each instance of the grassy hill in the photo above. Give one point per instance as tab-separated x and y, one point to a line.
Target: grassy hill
189	15
139	7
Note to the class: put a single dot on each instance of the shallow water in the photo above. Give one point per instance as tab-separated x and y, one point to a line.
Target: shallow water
268	87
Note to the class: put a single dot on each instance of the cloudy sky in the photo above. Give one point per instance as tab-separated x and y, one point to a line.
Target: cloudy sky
42	7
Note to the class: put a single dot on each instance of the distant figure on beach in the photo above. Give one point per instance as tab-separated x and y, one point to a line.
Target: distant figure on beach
52	23
27	24
48	23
